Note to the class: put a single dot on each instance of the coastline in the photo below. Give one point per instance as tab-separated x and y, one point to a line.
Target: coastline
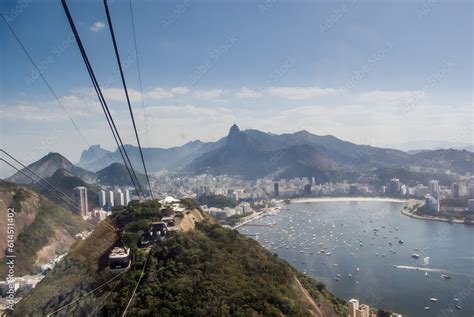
346	199
426	217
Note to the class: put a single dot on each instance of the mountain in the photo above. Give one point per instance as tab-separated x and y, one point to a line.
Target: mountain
253	154
208	271
65	182
156	159
116	174
429	145
459	161
48	165
42	228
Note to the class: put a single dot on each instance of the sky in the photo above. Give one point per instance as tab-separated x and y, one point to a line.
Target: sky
370	72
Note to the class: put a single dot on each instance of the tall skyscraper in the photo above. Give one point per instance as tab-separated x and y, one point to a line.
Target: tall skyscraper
434	189
119	198
102	198
454	190
363	311
80	195
127	197
110	200
394	186
352	307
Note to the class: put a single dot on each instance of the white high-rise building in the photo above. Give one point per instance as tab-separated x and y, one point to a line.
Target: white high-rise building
80	195
127	197
434	189
110	199
352	307
102	198
119	198
363	311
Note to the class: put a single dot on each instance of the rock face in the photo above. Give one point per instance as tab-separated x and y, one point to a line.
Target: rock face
47	166
42	229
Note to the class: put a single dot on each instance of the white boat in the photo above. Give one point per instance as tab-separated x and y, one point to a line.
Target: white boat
447	277
433	299
415	256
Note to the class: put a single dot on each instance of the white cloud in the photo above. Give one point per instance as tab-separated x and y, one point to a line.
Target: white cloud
299	93
208	94
97	26
160	93
382	97
118	94
247	93
180	90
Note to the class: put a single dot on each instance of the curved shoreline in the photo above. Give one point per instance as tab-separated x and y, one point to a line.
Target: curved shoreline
346	199
426	217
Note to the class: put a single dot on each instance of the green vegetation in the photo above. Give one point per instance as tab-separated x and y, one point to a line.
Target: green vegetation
65	182
49	218
233	220
210	271
217	201
214	271
19	196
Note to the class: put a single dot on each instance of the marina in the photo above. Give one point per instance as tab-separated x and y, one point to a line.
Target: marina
369	250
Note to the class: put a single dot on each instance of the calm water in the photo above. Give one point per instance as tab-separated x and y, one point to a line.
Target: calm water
388	276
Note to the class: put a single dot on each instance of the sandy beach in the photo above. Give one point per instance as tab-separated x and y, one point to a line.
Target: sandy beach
340	199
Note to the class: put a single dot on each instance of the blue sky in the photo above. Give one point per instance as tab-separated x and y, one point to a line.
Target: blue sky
372	72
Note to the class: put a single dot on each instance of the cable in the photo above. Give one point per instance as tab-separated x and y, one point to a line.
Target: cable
41	178
49	86
75	301
141	86
136	286
117	55
103	103
35	181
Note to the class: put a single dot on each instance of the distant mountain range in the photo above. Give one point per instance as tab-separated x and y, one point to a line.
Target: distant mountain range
254	154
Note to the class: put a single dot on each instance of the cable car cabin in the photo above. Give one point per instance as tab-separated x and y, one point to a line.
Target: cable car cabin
145	240
158	230
119	259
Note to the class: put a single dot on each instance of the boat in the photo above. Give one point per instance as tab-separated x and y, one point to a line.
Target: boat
458	307
357	269
447	277
426	273
427	308
433	299
400	241
415	256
